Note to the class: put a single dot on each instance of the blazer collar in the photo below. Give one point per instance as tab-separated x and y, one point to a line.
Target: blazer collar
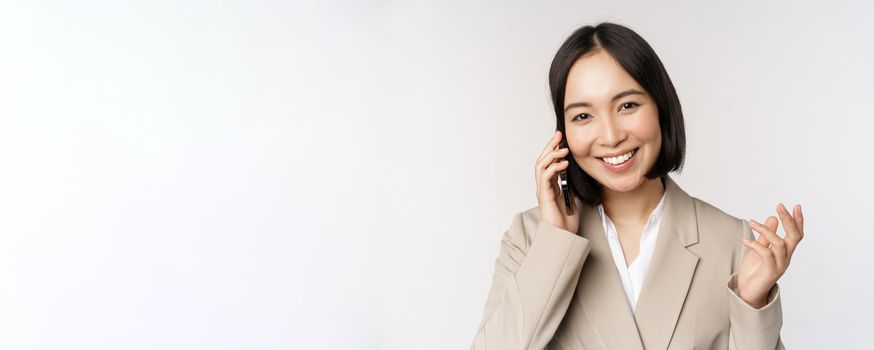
600	292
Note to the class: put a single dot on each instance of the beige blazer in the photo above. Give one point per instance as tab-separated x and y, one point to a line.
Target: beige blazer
555	289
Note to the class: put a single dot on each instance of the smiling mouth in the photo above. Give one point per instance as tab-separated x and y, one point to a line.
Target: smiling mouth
619	160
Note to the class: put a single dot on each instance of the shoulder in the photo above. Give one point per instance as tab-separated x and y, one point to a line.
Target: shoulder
719	229
523	227
712	217
530	216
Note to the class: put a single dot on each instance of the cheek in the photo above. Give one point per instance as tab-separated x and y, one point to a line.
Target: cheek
647	127
580	142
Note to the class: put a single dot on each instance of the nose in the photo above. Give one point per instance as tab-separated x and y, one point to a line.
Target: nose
612	133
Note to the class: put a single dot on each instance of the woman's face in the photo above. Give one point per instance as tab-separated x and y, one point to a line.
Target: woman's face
607	113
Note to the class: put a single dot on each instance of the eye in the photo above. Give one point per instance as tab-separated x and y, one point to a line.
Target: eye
581	115
629	105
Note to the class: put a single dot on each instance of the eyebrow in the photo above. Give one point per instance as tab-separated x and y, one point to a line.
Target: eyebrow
618	96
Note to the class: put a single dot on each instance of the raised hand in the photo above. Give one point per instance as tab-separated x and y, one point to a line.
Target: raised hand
552	208
769	256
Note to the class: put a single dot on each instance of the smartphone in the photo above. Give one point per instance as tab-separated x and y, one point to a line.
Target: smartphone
564	185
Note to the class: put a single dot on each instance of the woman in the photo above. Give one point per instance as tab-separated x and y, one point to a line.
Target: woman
637	263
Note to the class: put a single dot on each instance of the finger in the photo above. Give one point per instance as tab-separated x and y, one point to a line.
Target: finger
799	223
544	163
763	240
771	223
553	142
551	157
540	164
556	189
763	252
792	235
777	244
546	179
769	231
799	219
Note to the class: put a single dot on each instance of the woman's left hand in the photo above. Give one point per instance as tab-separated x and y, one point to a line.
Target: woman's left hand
760	271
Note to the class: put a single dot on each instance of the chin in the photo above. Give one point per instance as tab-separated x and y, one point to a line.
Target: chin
626	183
618	182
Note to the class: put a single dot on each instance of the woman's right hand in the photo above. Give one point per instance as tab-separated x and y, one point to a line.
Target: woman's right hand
549	197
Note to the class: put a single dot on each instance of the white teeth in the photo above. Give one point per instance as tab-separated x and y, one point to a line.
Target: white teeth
618	159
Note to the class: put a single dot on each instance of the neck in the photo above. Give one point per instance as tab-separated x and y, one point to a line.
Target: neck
634	206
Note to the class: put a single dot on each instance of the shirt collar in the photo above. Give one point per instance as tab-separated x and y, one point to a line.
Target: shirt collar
653	216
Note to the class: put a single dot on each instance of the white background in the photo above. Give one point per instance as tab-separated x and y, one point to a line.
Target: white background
316	175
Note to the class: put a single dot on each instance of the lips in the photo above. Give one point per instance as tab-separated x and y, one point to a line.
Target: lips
632	152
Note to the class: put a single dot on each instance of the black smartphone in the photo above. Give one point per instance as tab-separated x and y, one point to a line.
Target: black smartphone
565	185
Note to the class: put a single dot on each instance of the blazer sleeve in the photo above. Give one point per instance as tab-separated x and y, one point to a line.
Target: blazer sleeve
753	329
535	276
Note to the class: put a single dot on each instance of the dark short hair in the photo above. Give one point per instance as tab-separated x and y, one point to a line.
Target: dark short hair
641	62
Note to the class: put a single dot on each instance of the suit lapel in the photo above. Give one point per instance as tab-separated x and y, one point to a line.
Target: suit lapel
665	285
600	292
670	273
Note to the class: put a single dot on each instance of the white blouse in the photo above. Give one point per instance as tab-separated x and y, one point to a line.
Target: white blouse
632	276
